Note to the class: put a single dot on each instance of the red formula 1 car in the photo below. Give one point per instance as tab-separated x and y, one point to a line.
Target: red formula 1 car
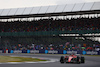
72	59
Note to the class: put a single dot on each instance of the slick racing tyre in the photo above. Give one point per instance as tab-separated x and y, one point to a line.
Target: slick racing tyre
82	60
78	60
62	59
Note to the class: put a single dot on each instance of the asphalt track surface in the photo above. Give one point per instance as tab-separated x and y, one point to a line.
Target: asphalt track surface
90	61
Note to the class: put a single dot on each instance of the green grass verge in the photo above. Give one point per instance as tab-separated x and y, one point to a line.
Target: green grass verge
4	59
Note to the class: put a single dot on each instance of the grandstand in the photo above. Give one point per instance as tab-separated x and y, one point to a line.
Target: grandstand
45	25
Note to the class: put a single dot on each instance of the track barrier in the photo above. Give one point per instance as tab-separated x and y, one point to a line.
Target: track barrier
52	52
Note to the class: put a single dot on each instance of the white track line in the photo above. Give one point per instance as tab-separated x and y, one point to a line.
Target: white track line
48	60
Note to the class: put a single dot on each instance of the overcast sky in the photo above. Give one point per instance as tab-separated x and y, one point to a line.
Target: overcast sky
31	3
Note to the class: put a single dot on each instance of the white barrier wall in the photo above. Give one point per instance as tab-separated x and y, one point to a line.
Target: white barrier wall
34	51
0	51
17	51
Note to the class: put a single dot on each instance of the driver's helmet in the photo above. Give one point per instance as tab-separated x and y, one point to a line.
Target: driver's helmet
73	54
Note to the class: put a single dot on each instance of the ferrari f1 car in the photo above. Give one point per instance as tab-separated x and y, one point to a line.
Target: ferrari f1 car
72	59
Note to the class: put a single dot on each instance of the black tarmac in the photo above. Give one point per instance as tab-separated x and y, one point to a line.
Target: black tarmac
90	61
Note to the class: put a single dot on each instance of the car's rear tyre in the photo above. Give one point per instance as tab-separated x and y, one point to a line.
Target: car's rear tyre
82	60
62	59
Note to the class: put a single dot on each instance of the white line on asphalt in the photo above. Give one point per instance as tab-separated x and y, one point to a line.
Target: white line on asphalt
48	60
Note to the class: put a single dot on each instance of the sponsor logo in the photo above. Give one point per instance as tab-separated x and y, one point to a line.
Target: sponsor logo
34	51
11	51
46	51
70	52
64	52
92	52
84	52
0	51
53	51
17	51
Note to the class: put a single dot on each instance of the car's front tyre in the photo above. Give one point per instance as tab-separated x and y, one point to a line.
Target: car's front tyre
62	59
82	60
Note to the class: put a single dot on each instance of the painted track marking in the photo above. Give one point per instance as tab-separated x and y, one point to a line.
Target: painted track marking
49	60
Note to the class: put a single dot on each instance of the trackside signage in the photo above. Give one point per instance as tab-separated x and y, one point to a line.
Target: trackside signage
92	53
69	52
17	51
34	51
0	51
53	51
